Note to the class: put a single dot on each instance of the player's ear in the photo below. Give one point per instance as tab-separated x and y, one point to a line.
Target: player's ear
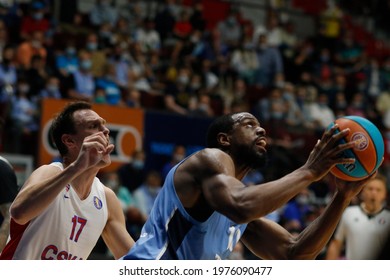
68	140
223	139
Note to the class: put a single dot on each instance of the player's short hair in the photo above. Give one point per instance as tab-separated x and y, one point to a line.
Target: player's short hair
222	124
64	123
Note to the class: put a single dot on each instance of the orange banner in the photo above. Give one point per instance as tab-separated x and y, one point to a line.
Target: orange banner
126	130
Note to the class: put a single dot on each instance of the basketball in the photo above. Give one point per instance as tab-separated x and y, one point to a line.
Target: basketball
368	152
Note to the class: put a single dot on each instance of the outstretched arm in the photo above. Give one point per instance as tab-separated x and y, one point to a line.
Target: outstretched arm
269	240
227	195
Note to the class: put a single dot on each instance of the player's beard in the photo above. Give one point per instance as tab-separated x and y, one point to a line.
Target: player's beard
252	157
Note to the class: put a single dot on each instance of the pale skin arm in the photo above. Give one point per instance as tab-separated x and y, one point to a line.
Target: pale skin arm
242	204
115	234
46	182
269	240
4	228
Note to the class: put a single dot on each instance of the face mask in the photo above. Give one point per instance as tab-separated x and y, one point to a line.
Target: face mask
36	44
105	34
92	46
37	16
302	199
153	190
183	79
86	64
23	88
100	99
70	51
52	88
138	164
195	86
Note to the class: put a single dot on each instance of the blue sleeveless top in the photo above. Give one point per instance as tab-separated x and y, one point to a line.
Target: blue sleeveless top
170	233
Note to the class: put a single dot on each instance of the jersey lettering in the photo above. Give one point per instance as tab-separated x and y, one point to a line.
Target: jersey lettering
77	220
51	253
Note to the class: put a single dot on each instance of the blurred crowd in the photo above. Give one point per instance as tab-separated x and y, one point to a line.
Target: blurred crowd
170	58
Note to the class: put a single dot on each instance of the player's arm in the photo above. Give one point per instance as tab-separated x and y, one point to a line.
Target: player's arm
269	240
46	182
227	195
39	191
115	235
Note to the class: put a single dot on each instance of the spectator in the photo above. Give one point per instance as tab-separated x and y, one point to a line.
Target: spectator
36	75
177	96
146	194
272	29
103	12
132	98
321	113
183	27
24	117
270	63
178	154
230	30
35	20
132	174
197	19
8	74
82	83
357	105
147	37
8	190
110	87
98	56
51	90
244	61
165	21
294	214
134	217
33	46
4	38
67	62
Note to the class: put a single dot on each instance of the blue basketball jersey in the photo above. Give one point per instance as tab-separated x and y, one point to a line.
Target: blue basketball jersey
171	233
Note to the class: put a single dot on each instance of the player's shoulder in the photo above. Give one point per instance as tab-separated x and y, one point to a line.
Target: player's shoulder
212	154
209	158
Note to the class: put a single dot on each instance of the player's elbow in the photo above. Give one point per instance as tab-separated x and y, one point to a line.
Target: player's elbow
18	214
241	214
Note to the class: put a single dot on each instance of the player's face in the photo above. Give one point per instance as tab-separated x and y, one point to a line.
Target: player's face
248	140
88	122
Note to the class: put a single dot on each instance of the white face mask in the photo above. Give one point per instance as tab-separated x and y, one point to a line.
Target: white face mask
302	199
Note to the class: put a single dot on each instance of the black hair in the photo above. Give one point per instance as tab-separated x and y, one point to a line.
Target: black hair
222	124
63	123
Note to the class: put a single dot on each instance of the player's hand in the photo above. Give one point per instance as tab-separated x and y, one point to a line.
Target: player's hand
95	151
353	188
328	152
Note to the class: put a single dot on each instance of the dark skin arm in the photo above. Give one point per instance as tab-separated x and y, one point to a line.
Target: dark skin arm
268	240
209	181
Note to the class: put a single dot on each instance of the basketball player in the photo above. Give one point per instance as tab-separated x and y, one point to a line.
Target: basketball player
8	190
62	209
365	228
204	209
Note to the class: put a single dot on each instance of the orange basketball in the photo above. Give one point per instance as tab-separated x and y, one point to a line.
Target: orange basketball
368	152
